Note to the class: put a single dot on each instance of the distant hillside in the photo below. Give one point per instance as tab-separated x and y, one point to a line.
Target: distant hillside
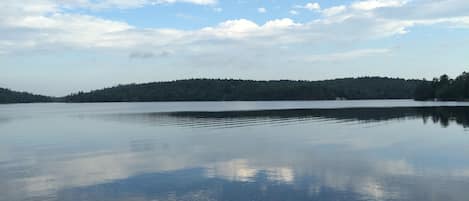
248	90
9	96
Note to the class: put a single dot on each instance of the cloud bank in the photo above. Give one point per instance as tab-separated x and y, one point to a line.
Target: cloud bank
46	24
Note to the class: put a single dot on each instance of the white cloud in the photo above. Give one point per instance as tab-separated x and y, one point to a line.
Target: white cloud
280	24
312	6
262	10
334	10
341	56
374	4
232	29
45	25
243	28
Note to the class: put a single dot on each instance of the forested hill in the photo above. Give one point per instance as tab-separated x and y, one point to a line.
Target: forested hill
444	88
9	96
248	90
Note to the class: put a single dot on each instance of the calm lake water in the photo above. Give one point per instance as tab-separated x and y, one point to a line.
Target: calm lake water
235	151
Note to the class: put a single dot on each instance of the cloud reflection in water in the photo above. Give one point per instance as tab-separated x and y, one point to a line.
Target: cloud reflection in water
321	154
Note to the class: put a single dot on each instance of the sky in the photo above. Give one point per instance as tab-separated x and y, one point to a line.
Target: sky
56	47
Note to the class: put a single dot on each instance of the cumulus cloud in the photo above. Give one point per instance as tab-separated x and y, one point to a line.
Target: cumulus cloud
243	29
334	10
312	6
46	24
374	4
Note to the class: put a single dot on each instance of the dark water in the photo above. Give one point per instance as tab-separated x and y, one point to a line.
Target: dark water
240	151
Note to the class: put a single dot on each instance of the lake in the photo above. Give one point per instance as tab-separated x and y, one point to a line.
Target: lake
235	151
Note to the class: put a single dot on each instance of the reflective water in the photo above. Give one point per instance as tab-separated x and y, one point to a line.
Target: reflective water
308	150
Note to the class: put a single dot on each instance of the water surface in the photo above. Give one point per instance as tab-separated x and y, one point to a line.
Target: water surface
292	150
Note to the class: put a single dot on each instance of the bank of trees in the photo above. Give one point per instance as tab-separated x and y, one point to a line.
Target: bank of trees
249	90
9	96
444	88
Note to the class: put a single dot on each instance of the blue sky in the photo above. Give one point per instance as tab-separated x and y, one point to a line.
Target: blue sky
56	47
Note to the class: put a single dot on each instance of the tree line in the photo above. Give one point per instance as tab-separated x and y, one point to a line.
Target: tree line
9	96
444	88
250	90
